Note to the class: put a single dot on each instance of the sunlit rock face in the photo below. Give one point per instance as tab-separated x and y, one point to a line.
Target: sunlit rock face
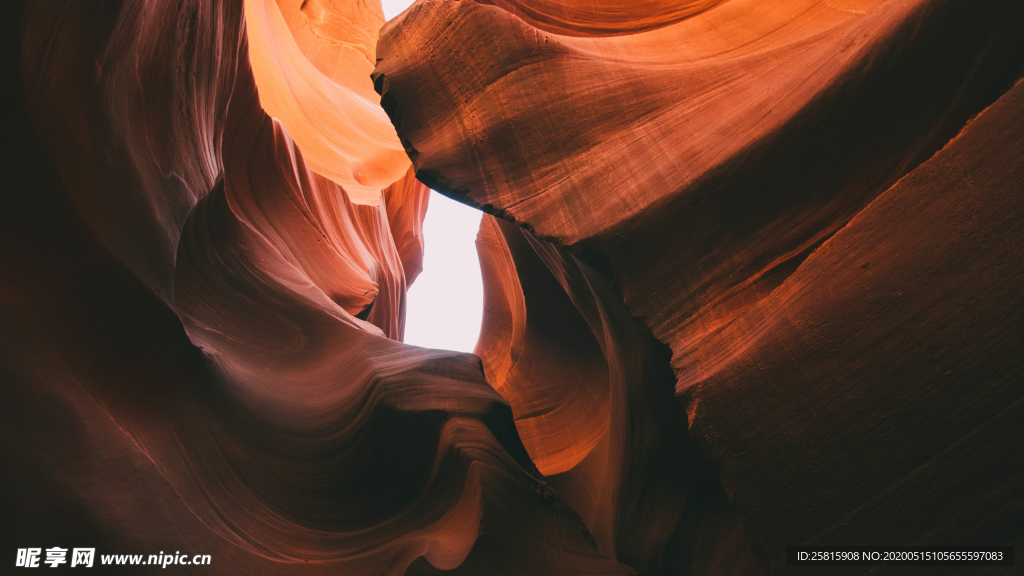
218	324
752	277
311	59
591	391
786	194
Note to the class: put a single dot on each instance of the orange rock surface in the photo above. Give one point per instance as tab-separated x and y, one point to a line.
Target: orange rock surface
249	398
592	396
715	168
753	279
311	60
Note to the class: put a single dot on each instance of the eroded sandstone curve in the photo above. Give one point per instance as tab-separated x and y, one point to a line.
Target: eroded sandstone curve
714	170
753	279
311	60
272	411
592	396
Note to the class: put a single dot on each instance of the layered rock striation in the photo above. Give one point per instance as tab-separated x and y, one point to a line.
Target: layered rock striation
752	276
787	196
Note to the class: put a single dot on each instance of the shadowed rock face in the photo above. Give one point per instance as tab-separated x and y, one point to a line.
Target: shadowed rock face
764	290
591	391
774	190
221	324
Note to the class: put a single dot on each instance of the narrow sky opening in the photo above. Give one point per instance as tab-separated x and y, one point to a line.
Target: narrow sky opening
446	302
393	8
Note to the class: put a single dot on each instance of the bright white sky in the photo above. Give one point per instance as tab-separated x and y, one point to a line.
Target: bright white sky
393	8
446	302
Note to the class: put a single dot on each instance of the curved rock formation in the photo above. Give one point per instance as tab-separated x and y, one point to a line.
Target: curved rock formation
753	279
706	166
311	60
602	18
406	204
264	402
592	396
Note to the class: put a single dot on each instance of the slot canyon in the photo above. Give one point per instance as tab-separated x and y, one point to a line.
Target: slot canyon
752	273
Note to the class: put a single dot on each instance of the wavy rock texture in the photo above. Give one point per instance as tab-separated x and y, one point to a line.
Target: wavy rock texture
311	60
218	327
406	205
746	177
753	279
605	18
898	432
592	395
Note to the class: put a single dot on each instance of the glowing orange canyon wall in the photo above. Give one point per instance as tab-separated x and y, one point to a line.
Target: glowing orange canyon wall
752	276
